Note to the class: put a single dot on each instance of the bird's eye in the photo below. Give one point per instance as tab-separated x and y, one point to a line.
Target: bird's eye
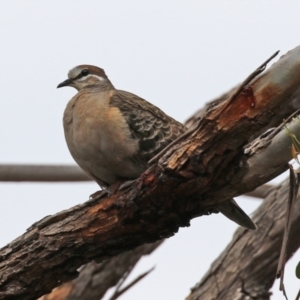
85	72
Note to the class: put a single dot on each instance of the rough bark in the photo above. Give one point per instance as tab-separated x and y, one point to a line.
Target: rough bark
95	279
246	269
188	182
258	282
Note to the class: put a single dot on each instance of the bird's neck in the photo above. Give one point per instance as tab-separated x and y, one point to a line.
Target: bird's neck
104	86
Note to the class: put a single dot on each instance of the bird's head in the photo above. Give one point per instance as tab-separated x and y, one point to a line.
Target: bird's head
84	76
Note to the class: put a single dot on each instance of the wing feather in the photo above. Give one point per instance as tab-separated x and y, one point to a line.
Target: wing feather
153	129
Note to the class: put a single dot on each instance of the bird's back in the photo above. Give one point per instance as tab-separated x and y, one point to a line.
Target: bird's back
150	126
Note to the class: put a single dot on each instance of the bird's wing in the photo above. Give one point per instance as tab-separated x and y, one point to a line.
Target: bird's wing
153	129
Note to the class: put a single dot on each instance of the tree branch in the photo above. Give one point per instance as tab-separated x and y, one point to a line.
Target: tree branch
188	182
120	292
58	173
95	279
246	269
41	173
260	192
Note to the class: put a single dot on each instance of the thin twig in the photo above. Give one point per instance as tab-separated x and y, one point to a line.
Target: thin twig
195	126
259	70
122	280
294	187
118	293
283	124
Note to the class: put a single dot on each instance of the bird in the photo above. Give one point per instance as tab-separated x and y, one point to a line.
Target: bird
112	134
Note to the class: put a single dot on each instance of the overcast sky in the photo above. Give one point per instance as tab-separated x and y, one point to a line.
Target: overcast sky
176	54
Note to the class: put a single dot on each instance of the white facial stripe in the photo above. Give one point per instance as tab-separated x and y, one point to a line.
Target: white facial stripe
90	75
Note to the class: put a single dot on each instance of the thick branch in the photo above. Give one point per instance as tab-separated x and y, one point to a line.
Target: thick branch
271	150
260	192
247	267
189	181
95	279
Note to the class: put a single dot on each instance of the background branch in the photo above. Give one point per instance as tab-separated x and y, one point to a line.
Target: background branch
246	269
95	279
65	173
41	173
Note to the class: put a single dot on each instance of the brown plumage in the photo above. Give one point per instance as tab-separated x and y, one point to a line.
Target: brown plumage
150	126
112	134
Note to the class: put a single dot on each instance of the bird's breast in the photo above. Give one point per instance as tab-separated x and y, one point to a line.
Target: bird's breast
98	136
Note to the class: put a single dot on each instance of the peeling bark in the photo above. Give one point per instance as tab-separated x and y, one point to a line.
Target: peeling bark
187	182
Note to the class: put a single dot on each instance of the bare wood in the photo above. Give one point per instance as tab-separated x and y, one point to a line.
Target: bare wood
189	182
261	192
248	80
247	267
193	128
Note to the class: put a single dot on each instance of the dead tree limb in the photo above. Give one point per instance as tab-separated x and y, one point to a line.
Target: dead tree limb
95	279
246	269
187	182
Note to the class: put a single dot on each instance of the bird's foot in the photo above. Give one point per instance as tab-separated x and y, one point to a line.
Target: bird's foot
119	185
98	194
109	190
125	184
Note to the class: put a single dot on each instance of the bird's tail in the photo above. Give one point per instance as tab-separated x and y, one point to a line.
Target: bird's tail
232	211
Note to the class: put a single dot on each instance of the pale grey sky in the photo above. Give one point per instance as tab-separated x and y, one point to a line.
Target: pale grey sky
175	54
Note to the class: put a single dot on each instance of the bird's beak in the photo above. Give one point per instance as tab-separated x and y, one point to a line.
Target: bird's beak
65	83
